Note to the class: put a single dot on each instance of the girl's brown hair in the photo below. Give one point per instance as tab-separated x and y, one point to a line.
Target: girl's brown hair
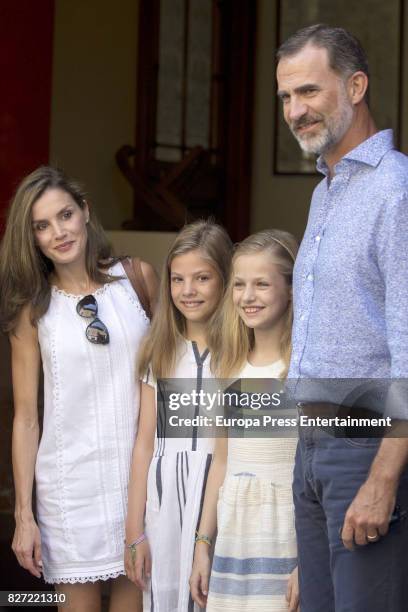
159	349
231	339
24	270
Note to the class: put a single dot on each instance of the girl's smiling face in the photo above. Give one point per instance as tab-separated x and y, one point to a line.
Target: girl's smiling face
59	227
260	291
195	285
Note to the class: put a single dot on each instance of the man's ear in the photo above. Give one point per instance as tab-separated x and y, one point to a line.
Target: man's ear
357	86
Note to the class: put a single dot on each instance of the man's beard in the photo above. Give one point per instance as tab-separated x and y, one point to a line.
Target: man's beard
330	131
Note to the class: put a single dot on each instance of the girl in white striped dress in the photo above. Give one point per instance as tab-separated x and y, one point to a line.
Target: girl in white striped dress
168	475
249	489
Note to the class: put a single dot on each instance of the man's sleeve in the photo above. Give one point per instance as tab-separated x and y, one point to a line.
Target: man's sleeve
393	262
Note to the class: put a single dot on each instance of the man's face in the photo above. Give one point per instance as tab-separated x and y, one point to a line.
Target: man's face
316	106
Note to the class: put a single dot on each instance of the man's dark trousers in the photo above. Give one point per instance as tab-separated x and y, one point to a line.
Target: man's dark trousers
373	578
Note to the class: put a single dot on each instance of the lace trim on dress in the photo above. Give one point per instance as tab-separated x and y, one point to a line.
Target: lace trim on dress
78	296
83	579
130	293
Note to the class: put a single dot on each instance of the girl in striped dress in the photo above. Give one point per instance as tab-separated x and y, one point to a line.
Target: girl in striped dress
168	474
249	488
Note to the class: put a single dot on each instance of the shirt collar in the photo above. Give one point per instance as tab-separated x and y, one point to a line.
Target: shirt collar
370	151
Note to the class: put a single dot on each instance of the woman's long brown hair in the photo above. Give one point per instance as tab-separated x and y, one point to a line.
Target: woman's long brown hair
24	270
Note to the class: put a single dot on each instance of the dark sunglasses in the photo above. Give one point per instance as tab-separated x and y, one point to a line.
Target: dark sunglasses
96	332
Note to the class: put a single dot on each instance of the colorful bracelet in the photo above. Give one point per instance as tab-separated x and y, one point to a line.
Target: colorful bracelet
132	546
139	540
200	537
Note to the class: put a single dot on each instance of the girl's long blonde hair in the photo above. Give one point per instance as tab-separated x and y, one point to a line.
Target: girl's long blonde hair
159	350
230	338
24	270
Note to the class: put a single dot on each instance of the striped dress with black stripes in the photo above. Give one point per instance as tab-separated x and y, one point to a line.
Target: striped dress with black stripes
175	494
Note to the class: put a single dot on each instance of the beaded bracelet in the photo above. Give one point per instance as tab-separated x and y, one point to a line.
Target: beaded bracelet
200	537
140	539
132	546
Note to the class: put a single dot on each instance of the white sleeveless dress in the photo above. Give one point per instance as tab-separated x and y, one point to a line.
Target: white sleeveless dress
255	549
91	404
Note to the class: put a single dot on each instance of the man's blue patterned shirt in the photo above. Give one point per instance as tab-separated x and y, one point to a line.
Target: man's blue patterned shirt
351	275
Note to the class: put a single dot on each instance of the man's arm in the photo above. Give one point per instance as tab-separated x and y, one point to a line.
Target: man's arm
370	511
368	515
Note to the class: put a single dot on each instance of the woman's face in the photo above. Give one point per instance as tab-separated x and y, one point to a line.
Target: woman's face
196	286
260	291
59	227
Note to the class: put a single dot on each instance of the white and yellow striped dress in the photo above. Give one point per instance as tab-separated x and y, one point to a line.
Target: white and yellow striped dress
255	550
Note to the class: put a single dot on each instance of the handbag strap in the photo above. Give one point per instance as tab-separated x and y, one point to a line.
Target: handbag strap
134	273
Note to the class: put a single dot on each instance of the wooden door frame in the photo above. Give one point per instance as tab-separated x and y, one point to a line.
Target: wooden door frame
239	47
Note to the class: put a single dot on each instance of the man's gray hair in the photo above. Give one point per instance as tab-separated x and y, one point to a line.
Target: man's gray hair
346	55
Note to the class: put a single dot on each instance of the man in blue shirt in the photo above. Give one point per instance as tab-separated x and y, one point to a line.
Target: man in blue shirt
350	321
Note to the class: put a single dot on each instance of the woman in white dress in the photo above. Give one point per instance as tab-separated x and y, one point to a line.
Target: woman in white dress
69	306
250	479
169	473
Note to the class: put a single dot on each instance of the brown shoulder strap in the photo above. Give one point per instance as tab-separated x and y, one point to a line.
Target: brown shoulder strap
134	273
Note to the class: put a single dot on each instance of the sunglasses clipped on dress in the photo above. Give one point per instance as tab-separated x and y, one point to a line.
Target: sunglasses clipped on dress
96	332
